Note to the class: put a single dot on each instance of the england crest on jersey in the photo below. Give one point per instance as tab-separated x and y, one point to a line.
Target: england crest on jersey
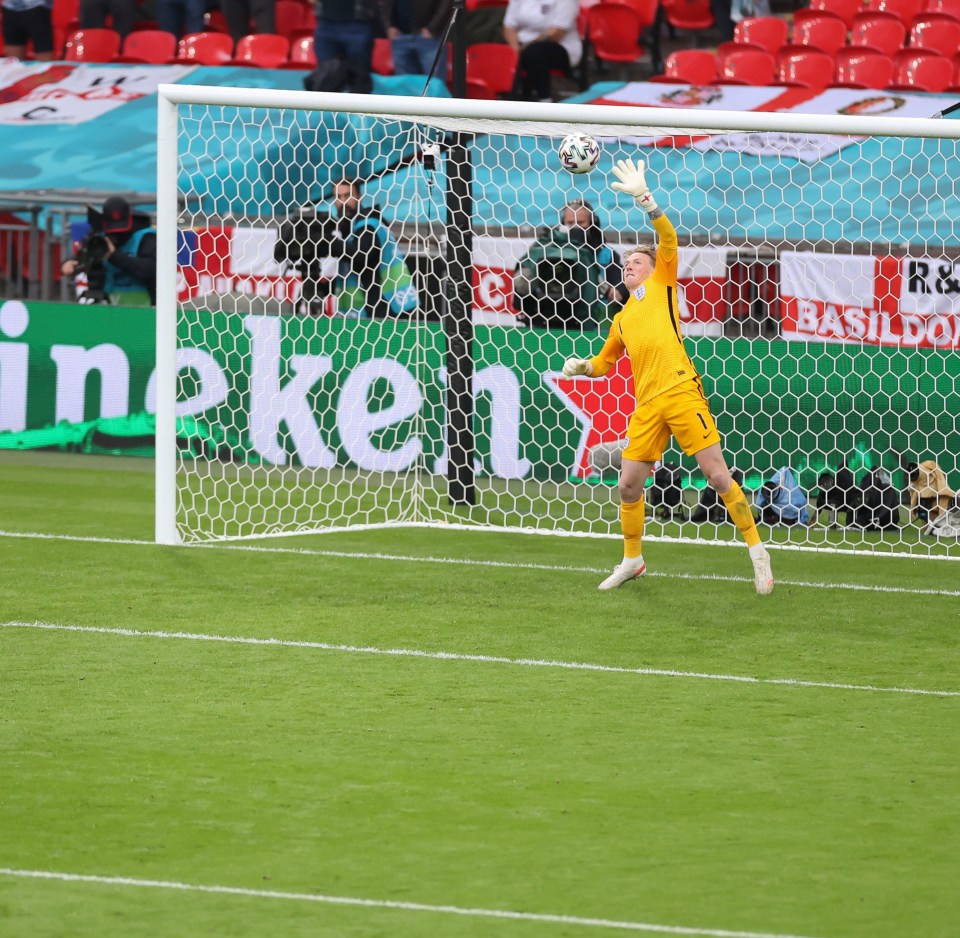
640	292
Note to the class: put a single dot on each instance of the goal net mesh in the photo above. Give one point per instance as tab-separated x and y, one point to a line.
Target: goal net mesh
817	293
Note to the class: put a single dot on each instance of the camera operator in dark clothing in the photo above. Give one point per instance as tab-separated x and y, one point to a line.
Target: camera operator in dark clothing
119	257
569	279
372	278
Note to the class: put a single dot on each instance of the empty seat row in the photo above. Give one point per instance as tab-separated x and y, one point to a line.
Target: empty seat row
881	31
155	47
907	70
904	10
292	18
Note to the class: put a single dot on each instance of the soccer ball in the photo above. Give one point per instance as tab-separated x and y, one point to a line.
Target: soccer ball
578	153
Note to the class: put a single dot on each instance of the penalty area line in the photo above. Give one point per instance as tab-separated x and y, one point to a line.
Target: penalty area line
483	659
468	562
389	904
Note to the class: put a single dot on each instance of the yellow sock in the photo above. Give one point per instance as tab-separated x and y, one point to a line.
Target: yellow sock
631	523
739	510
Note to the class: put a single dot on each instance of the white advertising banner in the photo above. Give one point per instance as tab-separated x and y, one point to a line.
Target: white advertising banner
238	259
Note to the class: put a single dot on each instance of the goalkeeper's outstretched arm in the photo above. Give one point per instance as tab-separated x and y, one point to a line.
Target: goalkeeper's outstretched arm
633	180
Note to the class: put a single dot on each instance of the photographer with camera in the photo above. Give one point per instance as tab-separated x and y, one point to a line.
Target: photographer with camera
118	256
569	276
372	280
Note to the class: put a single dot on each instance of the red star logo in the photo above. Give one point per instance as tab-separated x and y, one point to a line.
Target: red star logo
603	406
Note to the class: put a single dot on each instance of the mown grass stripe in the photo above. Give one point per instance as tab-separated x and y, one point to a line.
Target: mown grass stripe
485	659
391	904
503	564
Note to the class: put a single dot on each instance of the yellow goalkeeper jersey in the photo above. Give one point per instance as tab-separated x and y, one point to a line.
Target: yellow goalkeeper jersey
648	327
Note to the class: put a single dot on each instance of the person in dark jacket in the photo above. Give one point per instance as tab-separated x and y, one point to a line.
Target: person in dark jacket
415	28
372	277
345	31
240	13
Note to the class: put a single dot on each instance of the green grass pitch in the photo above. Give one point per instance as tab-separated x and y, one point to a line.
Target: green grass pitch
317	786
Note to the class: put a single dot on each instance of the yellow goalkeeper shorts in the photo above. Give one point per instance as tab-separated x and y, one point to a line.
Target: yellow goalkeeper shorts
682	411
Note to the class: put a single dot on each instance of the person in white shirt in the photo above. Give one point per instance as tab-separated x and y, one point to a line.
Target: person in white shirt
544	32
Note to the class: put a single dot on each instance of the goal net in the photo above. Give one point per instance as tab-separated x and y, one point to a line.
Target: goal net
365	304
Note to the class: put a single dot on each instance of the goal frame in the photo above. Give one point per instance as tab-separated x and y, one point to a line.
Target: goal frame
170	97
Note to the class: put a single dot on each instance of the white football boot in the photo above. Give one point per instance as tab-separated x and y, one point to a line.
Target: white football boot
627	569
762	571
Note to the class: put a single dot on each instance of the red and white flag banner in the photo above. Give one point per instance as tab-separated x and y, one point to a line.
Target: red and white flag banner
71	94
911	302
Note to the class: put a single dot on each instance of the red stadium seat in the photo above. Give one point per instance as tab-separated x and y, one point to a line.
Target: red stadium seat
301	54
845	9
947	7
308	25
645	9
725	48
688	14
748	67
879	31
66	14
205	48
804	68
767	32
937	32
215	22
289	17
479	90
689	67
92	45
920	70
862	68
382	61
824	32
147	47
493	63
903	10
261	50
613	32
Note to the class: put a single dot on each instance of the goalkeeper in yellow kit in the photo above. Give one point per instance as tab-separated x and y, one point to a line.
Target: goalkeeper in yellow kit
670	397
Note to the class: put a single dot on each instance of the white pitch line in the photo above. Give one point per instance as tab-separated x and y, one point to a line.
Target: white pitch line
485	659
391	904
466	562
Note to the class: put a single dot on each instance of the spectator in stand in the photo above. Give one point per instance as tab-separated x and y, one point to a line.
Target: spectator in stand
484	24
345	32
28	21
181	17
415	30
240	13
123	14
544	32
723	19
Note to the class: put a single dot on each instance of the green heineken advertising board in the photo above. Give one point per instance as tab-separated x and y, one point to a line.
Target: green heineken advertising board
370	394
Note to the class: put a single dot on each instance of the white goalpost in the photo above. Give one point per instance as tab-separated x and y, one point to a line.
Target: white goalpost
364	304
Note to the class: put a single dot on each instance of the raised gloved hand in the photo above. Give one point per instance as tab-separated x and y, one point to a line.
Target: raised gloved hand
634	182
574	367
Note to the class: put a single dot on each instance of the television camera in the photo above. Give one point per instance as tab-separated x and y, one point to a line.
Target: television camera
303	242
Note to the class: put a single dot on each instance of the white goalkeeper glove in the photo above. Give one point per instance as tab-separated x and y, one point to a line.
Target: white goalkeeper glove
634	182
573	367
